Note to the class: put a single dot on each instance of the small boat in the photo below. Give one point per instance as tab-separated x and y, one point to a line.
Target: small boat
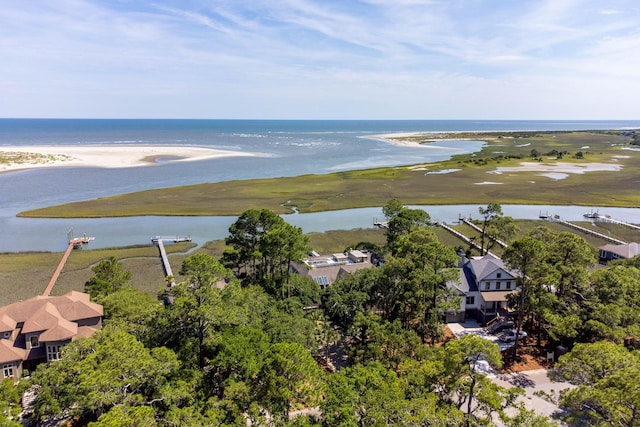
592	214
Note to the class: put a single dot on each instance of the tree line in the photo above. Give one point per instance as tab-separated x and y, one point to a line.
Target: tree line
235	344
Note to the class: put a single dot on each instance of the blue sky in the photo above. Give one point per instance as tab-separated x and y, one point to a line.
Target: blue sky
321	59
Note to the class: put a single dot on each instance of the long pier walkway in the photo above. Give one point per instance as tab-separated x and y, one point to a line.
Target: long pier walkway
478	229
591	232
463	237
159	240
56	274
606	218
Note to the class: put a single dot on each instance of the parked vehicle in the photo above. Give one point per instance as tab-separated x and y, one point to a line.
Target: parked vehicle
510	335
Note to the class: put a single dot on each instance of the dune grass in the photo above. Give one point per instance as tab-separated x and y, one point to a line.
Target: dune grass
412	184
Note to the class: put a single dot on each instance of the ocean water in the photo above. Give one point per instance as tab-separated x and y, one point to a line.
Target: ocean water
285	148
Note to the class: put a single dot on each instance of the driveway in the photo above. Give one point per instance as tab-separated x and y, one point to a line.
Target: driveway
531	381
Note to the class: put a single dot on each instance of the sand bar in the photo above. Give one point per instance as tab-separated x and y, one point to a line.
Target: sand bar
19	157
410	139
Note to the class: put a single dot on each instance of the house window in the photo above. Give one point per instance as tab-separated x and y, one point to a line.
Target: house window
34	342
7	370
508	285
498	275
471	300
487	286
321	280
497	286
53	352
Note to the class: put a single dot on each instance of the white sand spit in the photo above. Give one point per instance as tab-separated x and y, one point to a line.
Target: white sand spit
103	156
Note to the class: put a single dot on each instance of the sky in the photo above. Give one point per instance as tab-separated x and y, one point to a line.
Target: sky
321	59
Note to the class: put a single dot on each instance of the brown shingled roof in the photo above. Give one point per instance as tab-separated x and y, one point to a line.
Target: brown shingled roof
71	306
9	353
7	323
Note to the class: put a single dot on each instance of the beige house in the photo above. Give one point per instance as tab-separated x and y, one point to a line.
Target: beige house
326	269
33	331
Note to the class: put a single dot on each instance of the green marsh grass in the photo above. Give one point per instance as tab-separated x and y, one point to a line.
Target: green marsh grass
412	184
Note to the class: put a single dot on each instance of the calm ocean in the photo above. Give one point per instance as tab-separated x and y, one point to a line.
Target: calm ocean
287	148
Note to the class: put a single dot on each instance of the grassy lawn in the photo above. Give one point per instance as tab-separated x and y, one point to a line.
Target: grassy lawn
415	184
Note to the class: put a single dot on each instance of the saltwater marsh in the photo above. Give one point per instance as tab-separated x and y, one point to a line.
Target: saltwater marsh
522	167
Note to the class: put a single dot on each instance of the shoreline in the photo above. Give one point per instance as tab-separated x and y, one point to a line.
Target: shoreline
403	139
22	157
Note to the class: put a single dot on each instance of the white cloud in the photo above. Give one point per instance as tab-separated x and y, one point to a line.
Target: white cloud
317	59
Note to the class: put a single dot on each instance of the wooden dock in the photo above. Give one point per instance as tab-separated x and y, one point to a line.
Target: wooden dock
607	218
463	237
479	230
56	274
159	241
74	243
591	232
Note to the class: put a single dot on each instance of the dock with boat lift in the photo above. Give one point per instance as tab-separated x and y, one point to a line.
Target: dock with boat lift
74	243
607	218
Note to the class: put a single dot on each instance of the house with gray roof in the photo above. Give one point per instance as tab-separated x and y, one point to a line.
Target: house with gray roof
326	269
484	285
610	252
33	331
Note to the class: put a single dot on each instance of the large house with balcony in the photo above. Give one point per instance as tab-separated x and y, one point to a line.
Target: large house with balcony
33	331
483	286
326	269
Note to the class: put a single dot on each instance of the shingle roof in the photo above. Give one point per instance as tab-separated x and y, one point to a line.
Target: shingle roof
53	317
71	306
7	323
9	353
461	284
483	267
627	251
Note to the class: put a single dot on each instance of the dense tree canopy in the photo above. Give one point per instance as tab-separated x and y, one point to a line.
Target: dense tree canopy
242	341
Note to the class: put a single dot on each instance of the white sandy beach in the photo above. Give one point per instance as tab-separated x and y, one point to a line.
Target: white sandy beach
14	158
395	139
399	138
